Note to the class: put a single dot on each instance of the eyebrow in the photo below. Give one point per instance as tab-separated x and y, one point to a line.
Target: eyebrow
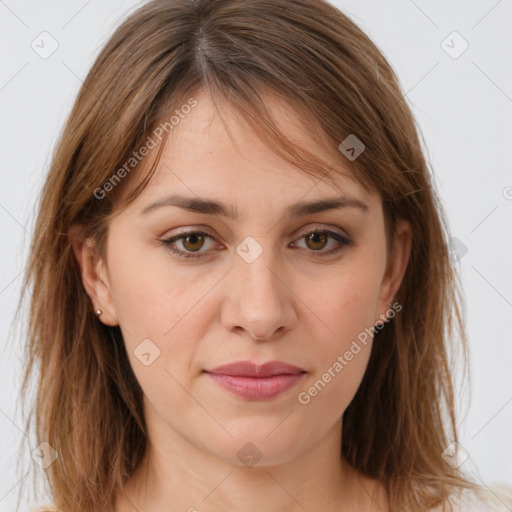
210	207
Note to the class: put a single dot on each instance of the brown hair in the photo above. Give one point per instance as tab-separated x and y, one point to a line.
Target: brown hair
88	405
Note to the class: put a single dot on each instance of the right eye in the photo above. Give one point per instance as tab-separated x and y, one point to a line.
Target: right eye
192	241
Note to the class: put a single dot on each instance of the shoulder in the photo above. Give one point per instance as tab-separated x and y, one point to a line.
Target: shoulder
496	498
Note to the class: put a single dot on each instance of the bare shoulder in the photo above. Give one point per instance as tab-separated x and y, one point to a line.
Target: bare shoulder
496	498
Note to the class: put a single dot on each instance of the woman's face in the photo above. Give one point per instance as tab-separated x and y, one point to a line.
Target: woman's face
256	287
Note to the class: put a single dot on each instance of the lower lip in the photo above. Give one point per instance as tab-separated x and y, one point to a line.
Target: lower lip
257	388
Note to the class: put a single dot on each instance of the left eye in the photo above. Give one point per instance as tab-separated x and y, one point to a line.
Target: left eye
319	237
193	241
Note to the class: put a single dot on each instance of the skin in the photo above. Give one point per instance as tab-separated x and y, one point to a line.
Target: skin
287	305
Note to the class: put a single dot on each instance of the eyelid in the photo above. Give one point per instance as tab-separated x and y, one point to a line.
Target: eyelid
299	233
342	238
322	227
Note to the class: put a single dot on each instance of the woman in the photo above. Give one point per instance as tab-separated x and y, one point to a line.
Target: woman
241	291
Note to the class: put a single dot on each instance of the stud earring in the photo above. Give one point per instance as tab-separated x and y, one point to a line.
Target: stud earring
98	312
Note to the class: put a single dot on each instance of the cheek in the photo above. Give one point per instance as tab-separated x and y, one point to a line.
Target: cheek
347	303
346	308
157	300
342	353
151	294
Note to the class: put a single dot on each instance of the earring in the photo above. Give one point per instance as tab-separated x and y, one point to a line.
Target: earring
98	312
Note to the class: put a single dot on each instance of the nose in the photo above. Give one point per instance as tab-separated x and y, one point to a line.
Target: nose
259	301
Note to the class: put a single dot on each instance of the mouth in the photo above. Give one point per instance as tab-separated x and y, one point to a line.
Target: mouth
256	382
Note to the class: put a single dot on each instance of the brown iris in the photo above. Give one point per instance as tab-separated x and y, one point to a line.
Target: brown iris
194	238
315	237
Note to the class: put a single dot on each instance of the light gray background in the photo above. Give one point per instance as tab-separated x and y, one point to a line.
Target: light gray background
463	106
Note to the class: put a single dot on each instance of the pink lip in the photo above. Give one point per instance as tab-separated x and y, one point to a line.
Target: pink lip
249	380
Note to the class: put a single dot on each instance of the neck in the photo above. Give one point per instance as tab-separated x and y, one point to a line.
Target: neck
176	475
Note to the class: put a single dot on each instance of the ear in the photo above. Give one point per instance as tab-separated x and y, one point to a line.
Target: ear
94	276
395	268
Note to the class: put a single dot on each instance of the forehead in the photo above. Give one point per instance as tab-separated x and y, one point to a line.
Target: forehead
208	154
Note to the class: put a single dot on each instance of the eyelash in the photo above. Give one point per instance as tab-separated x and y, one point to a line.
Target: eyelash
332	234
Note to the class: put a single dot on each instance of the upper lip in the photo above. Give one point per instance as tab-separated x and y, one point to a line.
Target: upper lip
250	369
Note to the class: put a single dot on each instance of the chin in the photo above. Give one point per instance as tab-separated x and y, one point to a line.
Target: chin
257	445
